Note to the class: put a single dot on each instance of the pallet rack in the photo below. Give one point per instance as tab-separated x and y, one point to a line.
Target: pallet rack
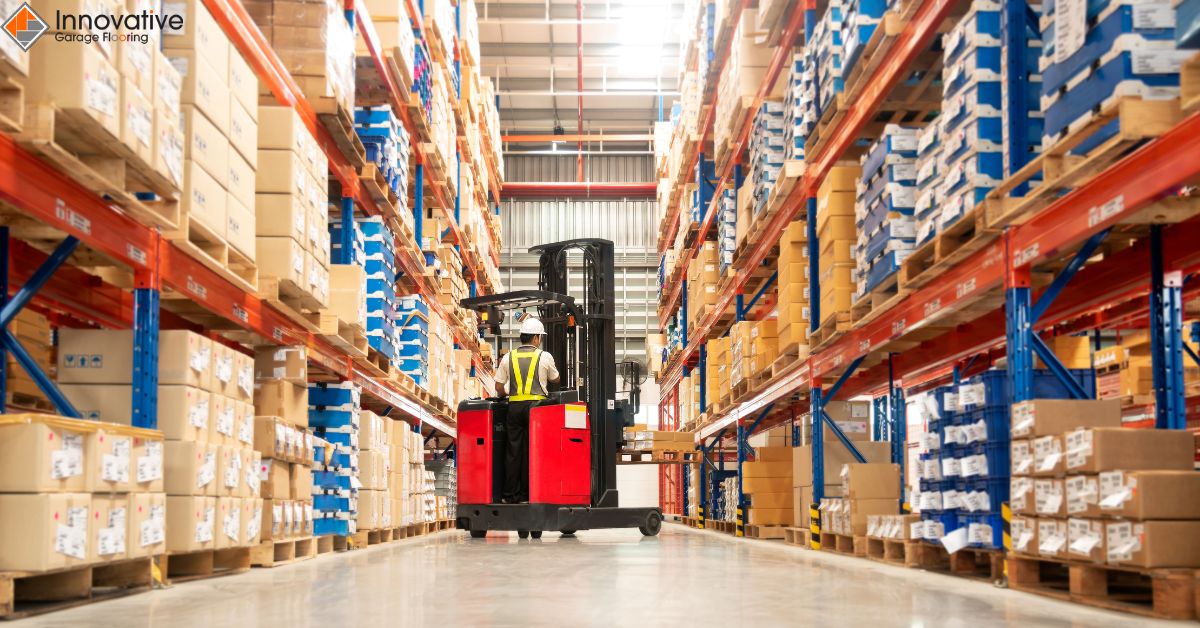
51	206
978	305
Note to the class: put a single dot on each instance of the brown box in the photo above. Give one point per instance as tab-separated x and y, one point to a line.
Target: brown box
221	421
239	227
1048	460
755	484
1085	540
200	32
76	76
280	128
1105	449
39	457
1021	496
243	137
1021	456
185	413
276	479
147	465
281	172
205	144
836	456
289	364
870	481
228	531
273	527
1150	494
44	531
1044	417
204	199
767	470
271	438
281	216
770	516
773	500
190	468
96	356
1052	535
109	535
191	523
1082	493
201	85
110	465
1024	535
1153	543
301	482
252	519
231	471
282	399
1049	497
147	524
137	121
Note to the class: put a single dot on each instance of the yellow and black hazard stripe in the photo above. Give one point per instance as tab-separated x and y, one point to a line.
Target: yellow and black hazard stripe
814	526
700	519
740	528
1006	515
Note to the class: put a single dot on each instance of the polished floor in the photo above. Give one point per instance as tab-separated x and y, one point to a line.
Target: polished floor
603	578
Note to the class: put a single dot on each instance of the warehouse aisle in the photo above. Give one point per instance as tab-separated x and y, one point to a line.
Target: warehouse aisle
609	578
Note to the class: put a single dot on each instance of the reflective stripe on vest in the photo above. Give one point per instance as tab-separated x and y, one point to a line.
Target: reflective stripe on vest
523	383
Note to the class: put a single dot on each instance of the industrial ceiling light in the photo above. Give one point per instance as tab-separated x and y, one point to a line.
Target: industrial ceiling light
558	130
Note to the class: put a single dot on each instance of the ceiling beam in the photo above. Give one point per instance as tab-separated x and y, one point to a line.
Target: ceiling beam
493	49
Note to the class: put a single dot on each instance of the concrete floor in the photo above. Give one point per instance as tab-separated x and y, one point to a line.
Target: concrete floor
603	578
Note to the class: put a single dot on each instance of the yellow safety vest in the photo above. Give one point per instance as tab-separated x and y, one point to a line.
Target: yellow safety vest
523	383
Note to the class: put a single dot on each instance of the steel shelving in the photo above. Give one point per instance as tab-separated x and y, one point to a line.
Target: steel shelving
926	334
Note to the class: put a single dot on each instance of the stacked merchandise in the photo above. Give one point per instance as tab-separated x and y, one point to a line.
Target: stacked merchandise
439	16
414	325
793	287
703	275
445	487
867	489
753	348
284	441
379	260
442	127
1109	50
348	294
33	332
428	495
727	229
374	469
893	527
836	233
716	371
1128	367
883	208
740	79
928	206
218	113
727	498
964	475
315	42
826	57
767	151
387	144
861	19
799	108
292	201
334	415
395	35
708	26
768	483
642	438
1102	495
406	473
853	418
423	80
101	485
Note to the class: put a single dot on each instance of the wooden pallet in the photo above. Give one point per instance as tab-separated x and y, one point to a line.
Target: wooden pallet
1160	593
895	551
210	248
1139	121
349	338
764	532
79	146
973	563
726	527
324	544
340	123
954	244
798	536
12	104
788	357
831	328
290	299
875	548
789	175
187	566
357	540
657	457
882	298
25	594
284	552
1189	85
843	544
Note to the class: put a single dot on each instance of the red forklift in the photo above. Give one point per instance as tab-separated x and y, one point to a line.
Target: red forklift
575	432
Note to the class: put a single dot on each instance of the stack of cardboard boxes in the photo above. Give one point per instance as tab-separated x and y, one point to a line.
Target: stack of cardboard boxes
716	371
335	414
1125	370
407	461
374	499
218	117
395	32
742	76
768	481
33	332
284	441
291	192
836	233
703	275
753	346
867	489
795	315
1092	491
641	438
892	527
853	418
315	42
78	492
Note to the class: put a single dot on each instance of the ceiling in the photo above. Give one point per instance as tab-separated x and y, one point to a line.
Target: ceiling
630	59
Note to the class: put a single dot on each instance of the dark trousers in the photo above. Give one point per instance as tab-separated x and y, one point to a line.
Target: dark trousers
516	454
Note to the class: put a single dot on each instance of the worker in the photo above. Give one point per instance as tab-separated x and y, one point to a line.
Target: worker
524	375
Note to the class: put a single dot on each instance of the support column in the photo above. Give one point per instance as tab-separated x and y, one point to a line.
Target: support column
1166	338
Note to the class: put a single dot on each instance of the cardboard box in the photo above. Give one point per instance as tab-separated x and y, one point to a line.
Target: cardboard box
110	465
776	484
773	500
301	481
204	199
75	76
147	465
1153	543
1020	452
1149	494
778	469
1024	535
1052	538
137	120
273	528
240	177
281	172
109	535
185	413
200	32
836	456
252	520
1085	540
770	517
280	128
1048	460
1074	352
1096	450
44	530
871	481
282	258
168	87
201	85
147	525
229	522
244	367
281	216
288	364
252	473
39	457
221	421
239	229
276	479
1021	497
1082	494
191	523
243	134
1049	497
271	438
190	468
1044	417
167	152
94	356
232	463
205	144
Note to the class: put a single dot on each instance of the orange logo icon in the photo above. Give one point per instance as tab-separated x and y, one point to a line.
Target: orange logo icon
25	26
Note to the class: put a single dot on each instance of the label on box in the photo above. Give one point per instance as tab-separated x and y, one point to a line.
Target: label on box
979	534
1022	457
1023	417
111	540
224	369
1019	489
140	120
114	468
252	480
1114	492
204	527
67	461
1153	15
930	441
1158	61
198	414
277	519
152	531
1051	544
1070	28
101	92
1047	454
207	471
951	467
254	523
1022	539
246	380
950	402
150	466
233	523
234	471
1079	448
246	430
1048	498
972	394
170	150
225	421
71	540
199	360
1124	538
1082	492
978	501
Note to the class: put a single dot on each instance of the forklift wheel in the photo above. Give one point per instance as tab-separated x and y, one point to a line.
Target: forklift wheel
653	524
568	533
524	534
536	534
478	534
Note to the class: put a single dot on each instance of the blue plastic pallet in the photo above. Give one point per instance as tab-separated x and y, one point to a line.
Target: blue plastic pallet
976	65
974	135
978	28
323	527
980	100
1116	77
1045	386
1115	31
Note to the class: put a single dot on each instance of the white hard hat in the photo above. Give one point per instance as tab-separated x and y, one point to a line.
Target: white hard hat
532	326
